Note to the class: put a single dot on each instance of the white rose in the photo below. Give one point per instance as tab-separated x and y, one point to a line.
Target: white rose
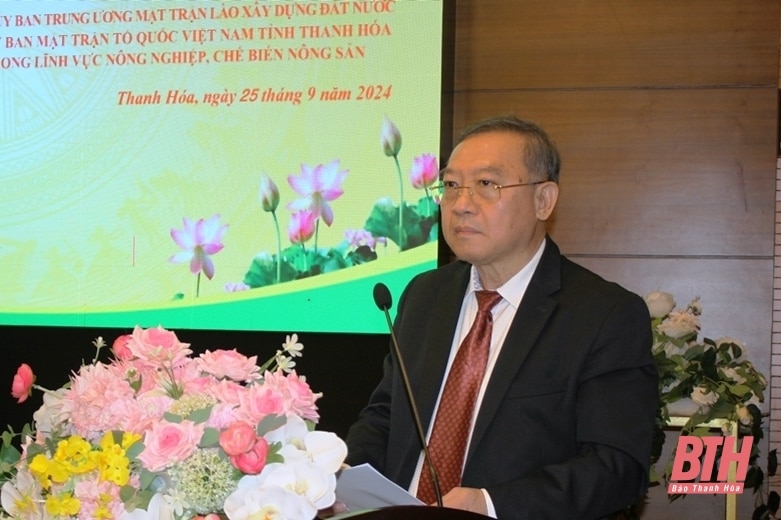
679	325
704	397
660	304
744	416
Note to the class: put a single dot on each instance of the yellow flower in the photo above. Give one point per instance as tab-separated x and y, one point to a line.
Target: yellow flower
39	467
112	462
103	511
62	505
75	454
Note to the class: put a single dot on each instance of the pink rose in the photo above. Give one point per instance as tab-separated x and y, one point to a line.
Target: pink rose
229	364
238	438
120	347
22	385
167	443
252	462
259	401
158	347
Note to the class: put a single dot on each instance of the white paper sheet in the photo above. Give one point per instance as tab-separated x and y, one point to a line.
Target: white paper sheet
363	488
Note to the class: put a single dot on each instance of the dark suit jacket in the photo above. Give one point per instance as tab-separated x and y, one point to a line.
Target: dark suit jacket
565	426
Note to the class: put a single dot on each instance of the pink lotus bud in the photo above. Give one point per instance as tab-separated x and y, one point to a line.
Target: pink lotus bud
301	227
424	171
22	385
391	138
269	194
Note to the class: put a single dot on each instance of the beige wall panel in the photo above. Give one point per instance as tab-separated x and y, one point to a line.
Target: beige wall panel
660	172
534	44
736	294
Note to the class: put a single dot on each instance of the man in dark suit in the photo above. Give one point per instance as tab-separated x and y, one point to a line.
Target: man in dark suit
563	421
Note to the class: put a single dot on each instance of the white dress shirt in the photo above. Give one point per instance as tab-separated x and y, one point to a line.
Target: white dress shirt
503	313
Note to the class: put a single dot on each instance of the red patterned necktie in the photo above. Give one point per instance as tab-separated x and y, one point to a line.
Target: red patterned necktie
447	445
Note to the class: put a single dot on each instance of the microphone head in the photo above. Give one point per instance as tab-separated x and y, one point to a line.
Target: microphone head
382	296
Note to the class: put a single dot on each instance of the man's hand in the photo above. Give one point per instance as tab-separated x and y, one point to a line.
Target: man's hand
468	499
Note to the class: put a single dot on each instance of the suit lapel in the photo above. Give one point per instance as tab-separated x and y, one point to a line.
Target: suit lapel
530	319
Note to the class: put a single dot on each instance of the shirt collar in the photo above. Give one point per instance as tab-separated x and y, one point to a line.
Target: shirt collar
513	289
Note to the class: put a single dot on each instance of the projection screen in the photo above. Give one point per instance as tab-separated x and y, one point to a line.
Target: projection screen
216	165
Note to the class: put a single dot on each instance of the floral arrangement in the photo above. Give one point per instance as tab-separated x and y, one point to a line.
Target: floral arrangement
317	187
715	376
157	433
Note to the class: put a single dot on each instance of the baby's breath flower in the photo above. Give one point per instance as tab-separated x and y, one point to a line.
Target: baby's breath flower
204	480
188	403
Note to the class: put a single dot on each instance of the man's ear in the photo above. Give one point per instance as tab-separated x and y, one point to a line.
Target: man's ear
545	197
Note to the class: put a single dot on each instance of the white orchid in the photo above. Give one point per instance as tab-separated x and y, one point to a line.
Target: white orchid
21	498
252	499
302	476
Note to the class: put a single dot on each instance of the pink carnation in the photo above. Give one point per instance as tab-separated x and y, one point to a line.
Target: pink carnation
222	415
88	402
167	443
229	364
297	397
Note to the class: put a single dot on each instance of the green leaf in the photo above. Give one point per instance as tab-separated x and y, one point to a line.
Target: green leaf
146	478
134	450
173	418
9	454
263	270
383	221
754	478
739	391
210	437
427	208
200	416
361	255
332	260
653	476
270	423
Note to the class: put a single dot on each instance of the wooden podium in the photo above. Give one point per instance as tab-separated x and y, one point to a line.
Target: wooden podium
413	513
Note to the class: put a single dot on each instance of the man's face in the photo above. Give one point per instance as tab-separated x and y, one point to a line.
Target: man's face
501	236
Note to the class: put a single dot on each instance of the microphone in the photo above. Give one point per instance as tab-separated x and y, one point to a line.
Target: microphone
383	299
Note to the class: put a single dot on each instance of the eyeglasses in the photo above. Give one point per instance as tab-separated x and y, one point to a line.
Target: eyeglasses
481	191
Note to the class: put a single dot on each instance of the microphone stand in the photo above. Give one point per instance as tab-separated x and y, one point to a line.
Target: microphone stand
418	424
